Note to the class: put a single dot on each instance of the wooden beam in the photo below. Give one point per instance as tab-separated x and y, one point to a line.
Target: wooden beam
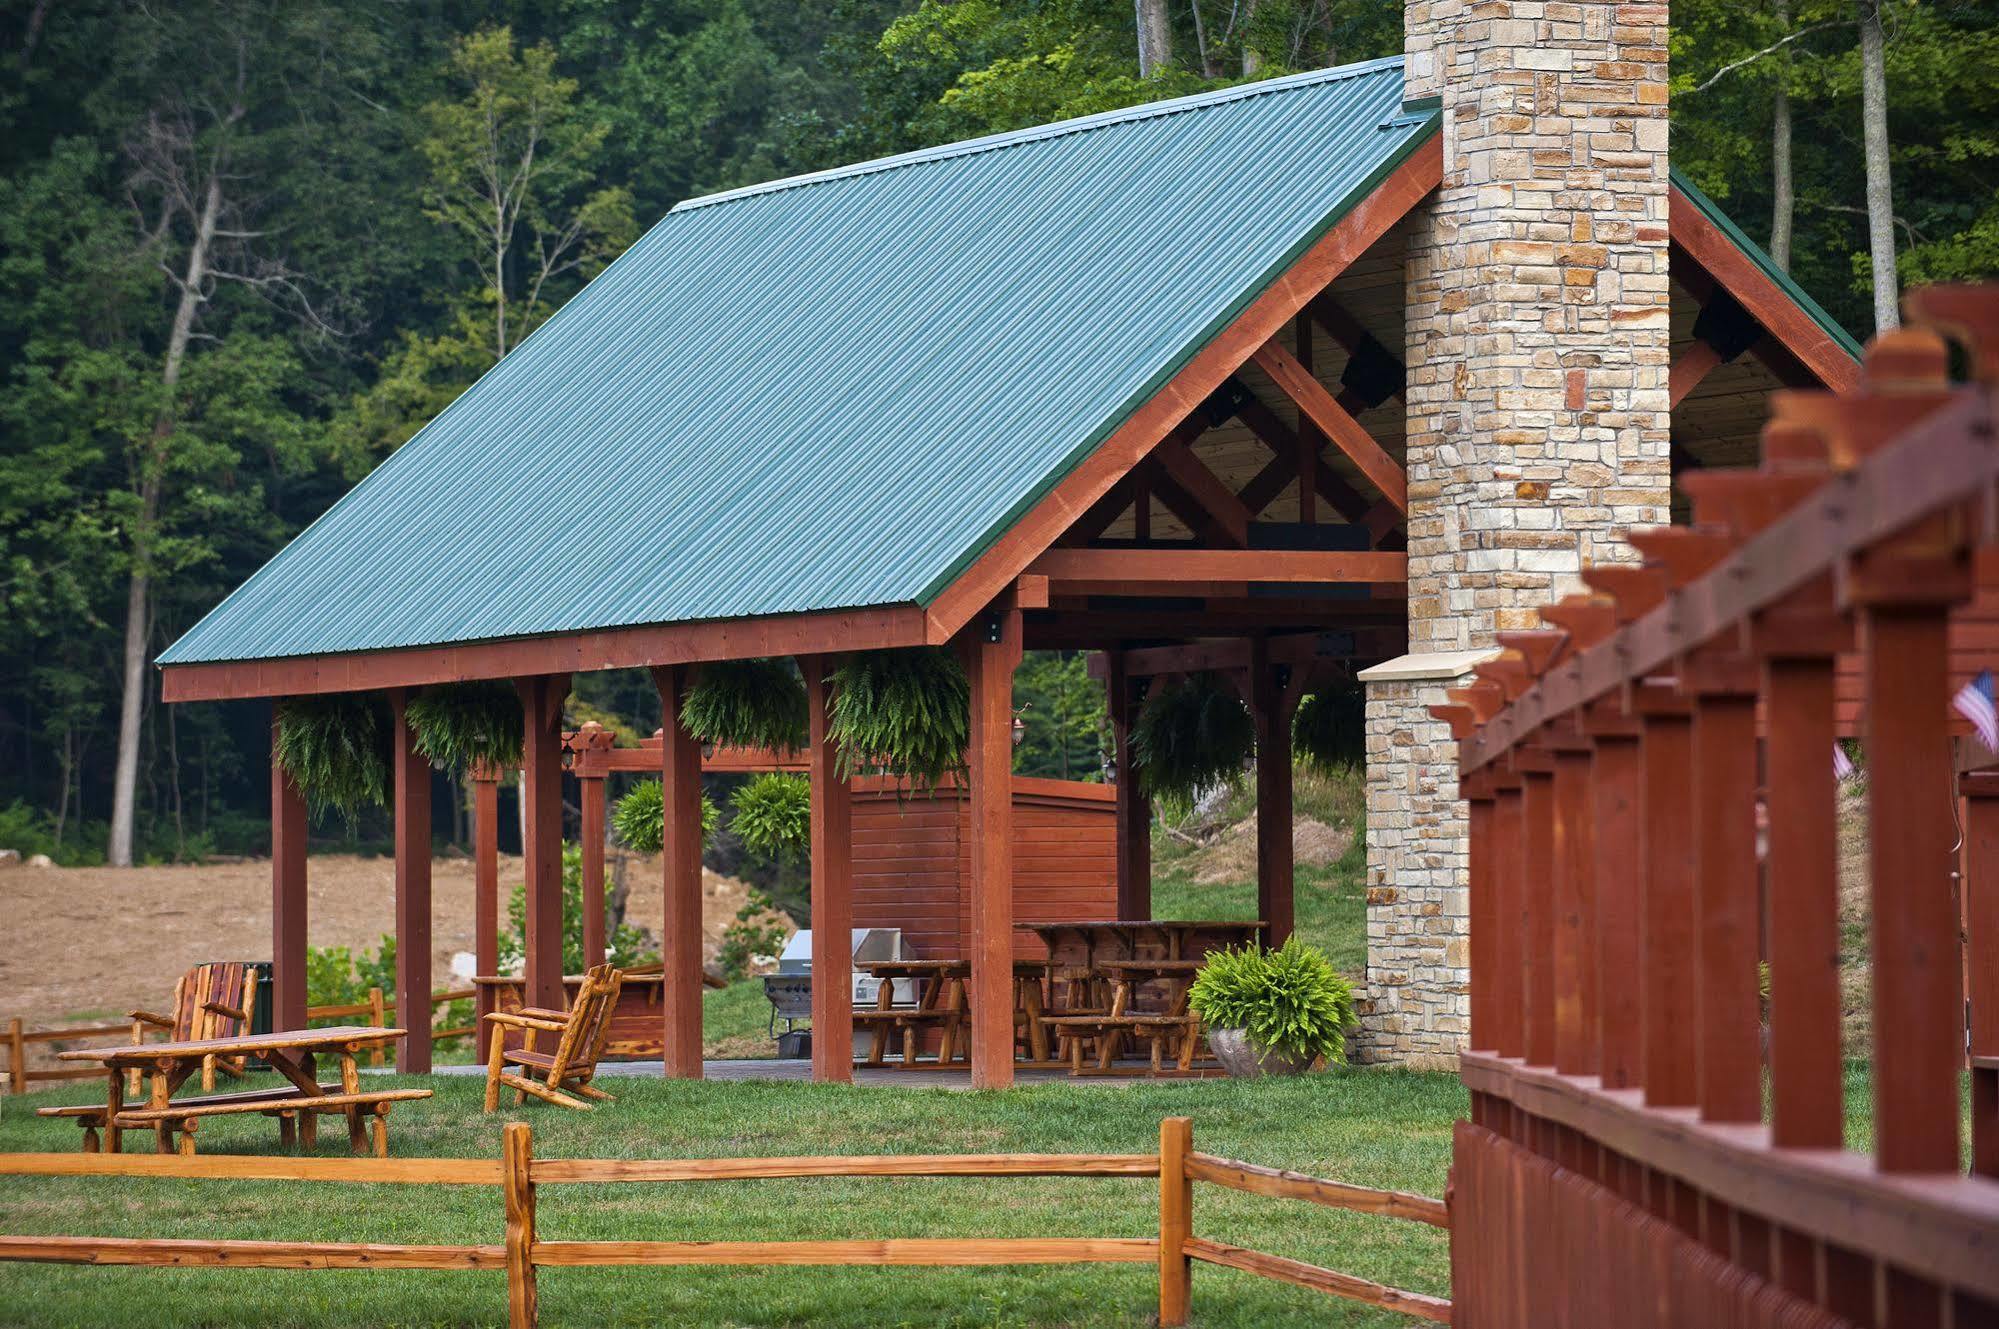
485	884
1415	176
991	653
1267	484
1134	808
1347	433
288	897
541	788
566	653
680	854
411	772
1695	363
590	793
1169	567
832	854
1309	442
1273	795
1228	517
1180	503
1706	245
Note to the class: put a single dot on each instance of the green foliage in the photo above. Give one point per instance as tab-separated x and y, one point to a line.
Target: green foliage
335	747
1061	708
904	712
757	929
748	704
1192	735
639	818
623	943
461	724
1329	731
337	976
773	816
1290	999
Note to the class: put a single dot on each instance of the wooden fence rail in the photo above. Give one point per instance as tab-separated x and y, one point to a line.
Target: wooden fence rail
378	1010
519	1174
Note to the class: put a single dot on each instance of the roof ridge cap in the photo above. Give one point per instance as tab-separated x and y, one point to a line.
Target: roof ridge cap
1037	133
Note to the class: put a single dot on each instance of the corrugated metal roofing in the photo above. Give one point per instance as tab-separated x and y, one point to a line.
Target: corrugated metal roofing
832	391
1761	258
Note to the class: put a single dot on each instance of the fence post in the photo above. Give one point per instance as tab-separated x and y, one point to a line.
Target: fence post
1176	1219
378	1016
17	1053
517	1155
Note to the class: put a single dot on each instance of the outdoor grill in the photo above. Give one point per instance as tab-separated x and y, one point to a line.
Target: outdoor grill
789	990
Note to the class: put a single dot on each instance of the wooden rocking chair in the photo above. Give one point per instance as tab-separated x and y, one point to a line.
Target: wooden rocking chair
210	1001
582	1031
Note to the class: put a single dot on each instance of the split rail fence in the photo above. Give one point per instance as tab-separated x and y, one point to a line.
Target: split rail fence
522	1251
1622	1165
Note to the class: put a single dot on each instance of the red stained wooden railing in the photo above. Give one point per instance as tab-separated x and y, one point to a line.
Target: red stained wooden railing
1653	1140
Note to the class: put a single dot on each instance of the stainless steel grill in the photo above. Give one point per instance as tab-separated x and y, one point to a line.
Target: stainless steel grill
789	990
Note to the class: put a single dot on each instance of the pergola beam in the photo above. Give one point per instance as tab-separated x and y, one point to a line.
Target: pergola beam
1164	569
1347	433
679	768
288	898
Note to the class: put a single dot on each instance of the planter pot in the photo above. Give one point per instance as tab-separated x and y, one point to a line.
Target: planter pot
1245	1060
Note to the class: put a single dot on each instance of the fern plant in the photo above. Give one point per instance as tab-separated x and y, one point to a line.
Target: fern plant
1190	736
748	704
905	712
1329	732
639	819
462	724
773	816
335	747
1290	1000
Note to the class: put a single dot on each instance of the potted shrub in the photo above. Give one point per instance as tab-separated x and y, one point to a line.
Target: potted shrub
1273	1012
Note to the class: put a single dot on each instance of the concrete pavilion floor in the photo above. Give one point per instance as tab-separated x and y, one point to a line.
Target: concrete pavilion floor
773	1069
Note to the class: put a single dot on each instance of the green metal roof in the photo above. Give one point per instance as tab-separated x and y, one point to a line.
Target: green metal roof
1761	258
832	391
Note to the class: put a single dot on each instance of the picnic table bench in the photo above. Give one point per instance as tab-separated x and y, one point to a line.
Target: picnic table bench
1109	1027
297	1104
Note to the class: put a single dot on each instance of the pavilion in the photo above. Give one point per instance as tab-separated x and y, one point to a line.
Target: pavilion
1069	387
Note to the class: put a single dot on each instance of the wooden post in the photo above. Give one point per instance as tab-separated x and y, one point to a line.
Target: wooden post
591	791
1981	937
1803	872
1274	875
832	886
1176	1219
288	903
680	921
1537	869
1134	808
1666	907
1727	1071
1510	1029
1574	928
378	1018
485	885
17	1053
1918	1004
541	793
413	985
1480	917
517	1159
992	651
1616	772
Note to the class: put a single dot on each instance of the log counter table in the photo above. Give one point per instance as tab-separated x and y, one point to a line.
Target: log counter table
297	1104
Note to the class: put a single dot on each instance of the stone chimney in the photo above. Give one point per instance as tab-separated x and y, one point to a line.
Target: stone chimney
1537	349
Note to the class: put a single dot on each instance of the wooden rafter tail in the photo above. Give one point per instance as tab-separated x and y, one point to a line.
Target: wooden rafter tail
1463	720
1483	699
1635	590
1790	446
1966	314
1540	648
1683	553
1855	426
1907	360
1744	502
1508	670
1587	619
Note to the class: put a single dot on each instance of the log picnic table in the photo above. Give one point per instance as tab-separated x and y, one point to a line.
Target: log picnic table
1127	938
940	1001
297	1104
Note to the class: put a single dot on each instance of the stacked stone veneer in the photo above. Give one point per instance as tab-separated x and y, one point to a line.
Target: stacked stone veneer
1537	353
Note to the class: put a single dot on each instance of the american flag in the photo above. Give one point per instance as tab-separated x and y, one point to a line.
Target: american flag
1975	702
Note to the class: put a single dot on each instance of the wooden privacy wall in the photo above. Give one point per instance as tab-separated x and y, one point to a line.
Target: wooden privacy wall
1657	1135
912	860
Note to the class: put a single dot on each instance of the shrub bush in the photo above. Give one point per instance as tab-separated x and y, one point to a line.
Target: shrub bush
758	929
624	944
1290	999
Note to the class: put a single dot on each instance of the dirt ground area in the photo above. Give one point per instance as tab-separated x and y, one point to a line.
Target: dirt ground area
92	942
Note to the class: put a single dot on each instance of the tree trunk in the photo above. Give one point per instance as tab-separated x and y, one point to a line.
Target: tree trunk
1252	59
1155	38
1880	193
138	593
1783	192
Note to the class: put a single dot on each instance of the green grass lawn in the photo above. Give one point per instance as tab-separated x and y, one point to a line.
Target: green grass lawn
1380	1128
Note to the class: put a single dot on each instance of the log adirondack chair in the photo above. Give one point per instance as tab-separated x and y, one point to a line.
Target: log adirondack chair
581	1033
210	1001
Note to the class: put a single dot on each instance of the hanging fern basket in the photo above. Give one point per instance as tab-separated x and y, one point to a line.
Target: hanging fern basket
1191	736
639	818
1329	732
905	713
748	704
463	725
335	748
773	816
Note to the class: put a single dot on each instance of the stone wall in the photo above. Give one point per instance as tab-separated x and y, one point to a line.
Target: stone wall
1537	353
